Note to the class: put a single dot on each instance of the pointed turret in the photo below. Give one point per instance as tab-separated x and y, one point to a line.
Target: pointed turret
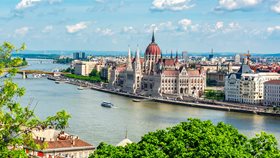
137	60
153	37
177	56
128	62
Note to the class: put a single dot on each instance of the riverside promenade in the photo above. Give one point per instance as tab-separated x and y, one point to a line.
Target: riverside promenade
198	103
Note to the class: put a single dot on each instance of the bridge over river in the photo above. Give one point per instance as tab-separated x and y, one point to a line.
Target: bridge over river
24	73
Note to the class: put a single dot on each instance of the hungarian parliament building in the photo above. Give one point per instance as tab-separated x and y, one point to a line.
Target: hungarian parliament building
156	76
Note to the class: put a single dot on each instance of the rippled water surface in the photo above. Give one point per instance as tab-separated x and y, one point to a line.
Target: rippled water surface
96	124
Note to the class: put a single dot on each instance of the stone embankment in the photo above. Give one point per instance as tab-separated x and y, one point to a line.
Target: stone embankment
199	103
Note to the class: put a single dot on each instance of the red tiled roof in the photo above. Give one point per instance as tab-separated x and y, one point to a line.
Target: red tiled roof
64	143
193	72
169	62
274	82
153	49
170	72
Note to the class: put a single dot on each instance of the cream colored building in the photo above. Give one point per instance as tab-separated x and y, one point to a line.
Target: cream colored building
272	93
246	86
84	68
156	76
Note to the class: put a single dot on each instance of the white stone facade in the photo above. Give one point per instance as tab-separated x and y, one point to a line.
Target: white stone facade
157	76
246	86
84	68
272	93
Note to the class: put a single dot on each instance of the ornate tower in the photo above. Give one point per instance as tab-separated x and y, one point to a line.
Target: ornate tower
137	72
128	62
152	55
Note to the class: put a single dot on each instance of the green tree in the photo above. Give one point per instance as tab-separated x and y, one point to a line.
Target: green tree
94	73
16	121
195	138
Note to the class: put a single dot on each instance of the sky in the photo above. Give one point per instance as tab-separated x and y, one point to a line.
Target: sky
115	25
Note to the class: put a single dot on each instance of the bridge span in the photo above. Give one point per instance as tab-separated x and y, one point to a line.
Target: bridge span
24	73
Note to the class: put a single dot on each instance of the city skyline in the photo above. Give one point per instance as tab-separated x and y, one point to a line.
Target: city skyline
105	25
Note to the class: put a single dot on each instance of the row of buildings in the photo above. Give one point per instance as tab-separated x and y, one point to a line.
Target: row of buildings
156	76
173	77
252	87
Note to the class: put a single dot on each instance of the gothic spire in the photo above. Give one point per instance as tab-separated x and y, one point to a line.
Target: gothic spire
137	59
153	37
177	55
128	62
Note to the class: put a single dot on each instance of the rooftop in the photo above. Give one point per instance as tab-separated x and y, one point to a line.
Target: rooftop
58	139
274	82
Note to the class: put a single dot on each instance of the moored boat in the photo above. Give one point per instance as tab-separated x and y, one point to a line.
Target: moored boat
136	100
80	88
107	104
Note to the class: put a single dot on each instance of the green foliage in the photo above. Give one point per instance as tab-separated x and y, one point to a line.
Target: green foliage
94	73
5	56
16	121
66	60
69	70
214	94
94	79
194	138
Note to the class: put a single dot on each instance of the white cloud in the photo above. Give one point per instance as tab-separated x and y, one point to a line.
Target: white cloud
166	26
184	24
150	28
162	27
21	31
272	29
26	4
219	25
76	27
129	29
105	31
23	4
276	7
237	4
47	29
234	25
173	5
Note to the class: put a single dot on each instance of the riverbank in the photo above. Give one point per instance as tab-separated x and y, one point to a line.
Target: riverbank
222	106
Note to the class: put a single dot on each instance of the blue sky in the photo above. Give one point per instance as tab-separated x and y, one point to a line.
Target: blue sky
191	25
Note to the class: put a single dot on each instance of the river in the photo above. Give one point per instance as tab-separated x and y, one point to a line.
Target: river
96	124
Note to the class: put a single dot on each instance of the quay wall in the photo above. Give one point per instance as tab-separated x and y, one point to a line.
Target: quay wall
189	104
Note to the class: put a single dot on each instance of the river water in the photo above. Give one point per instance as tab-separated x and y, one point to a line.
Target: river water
96	124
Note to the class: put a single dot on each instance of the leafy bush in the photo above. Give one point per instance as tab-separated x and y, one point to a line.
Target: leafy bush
194	138
84	78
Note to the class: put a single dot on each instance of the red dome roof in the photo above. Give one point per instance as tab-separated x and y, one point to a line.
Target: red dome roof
153	49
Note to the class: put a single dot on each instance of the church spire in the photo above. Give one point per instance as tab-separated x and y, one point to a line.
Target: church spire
153	37
177	55
128	62
137	59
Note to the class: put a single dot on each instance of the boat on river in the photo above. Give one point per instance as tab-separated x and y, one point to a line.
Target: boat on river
107	104
136	100
80	88
140	100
